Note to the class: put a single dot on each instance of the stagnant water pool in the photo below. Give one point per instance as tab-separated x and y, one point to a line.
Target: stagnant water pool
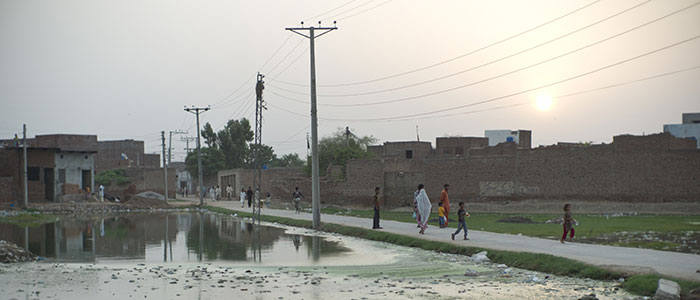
188	255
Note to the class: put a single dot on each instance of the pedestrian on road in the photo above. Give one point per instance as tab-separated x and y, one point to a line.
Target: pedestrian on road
242	195
297	196
441	215
461	213
212	193
249	196
267	199
424	208
568	224
229	192
217	192
445	200
375	225
102	193
258	199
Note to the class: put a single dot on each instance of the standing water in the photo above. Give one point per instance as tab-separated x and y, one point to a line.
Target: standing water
210	256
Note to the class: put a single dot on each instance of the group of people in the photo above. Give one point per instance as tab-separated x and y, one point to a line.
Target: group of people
251	196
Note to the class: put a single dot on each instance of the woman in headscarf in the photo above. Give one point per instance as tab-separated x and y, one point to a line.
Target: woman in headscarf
424	207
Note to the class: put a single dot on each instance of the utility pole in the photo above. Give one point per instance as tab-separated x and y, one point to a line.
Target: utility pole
259	106
187	140
24	168
315	182
170	142
197	111
165	166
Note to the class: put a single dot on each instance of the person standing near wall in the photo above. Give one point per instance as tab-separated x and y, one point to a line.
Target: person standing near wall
445	200
229	192
242	195
217	196
102	193
375	225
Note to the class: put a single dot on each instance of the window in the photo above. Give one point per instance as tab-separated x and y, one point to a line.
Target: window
33	173
61	175
409	154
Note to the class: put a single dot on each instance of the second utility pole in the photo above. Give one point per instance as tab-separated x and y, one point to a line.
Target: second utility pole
165	166
315	182
197	111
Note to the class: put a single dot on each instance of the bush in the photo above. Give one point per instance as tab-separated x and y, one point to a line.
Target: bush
108	177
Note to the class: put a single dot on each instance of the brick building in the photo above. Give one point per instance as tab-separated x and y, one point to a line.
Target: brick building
689	129
57	165
119	154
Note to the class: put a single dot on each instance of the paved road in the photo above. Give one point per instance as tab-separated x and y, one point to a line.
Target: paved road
674	264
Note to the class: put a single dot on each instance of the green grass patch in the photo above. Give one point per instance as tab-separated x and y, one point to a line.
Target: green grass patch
590	226
29	219
646	284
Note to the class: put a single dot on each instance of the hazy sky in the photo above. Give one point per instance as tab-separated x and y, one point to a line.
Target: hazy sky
126	69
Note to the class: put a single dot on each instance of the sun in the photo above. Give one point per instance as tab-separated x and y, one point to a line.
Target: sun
544	102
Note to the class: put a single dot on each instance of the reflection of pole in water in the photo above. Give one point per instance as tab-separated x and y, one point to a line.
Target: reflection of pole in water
201	236
165	241
26	238
102	227
315	248
296	239
256	245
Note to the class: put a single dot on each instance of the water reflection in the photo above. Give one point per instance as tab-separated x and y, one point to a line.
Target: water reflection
178	237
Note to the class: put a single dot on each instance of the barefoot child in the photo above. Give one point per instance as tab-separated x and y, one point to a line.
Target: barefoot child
461	213
568	223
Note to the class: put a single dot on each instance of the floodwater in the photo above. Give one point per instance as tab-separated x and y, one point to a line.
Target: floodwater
210	256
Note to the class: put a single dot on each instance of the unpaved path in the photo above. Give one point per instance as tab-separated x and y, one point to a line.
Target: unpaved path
673	264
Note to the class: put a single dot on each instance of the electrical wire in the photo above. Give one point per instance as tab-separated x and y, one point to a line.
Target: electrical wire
511	55
513	71
531	89
348	10
289	36
290	64
330	11
285	57
459	56
364	11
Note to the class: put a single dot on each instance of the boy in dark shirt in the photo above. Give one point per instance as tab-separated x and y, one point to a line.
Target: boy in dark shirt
461	213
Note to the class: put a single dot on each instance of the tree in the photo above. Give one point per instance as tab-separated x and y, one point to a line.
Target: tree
212	162
291	160
233	140
267	155
209	136
341	147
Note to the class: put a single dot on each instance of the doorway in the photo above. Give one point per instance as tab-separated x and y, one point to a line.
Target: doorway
49	184
86	180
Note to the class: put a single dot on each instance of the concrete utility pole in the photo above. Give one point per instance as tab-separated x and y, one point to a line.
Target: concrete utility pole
197	111
24	168
170	142
165	166
259	106
315	182
187	140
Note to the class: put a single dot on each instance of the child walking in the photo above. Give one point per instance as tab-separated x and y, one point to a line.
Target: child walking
568	224
461	213
441	214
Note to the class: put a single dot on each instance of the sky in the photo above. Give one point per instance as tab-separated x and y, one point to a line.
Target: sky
393	69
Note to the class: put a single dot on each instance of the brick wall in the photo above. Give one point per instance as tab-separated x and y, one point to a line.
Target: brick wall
151	160
459	145
109	154
68	142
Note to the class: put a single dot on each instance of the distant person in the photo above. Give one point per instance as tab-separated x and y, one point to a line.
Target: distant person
229	192
297	196
267	199
185	190
212	193
242	195
461	213
375	203
424	208
445	200
87	192
217	193
249	196
568	224
416	215
441	215
199	191
16	139
102	193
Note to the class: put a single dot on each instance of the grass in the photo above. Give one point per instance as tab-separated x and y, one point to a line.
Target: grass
28	219
590	226
644	284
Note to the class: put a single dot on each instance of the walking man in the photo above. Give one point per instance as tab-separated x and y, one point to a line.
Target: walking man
249	196
242	195
445	200
297	195
102	193
229	191
376	209
461	213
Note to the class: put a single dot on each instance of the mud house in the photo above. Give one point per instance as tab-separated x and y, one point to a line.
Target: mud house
57	165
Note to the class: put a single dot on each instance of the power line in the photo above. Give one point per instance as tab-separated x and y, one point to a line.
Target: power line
459	56
349	10
231	94
286	56
289	36
290	64
531	89
510	72
504	57
330	11
364	11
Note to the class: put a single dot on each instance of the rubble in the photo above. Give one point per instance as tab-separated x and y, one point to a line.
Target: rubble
11	253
